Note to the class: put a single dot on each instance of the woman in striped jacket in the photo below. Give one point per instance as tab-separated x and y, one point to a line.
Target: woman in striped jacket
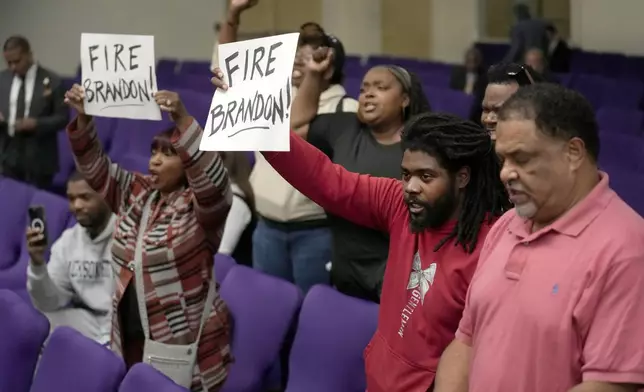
186	198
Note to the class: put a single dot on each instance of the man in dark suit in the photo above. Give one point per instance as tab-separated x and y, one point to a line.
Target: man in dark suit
526	33
32	111
558	51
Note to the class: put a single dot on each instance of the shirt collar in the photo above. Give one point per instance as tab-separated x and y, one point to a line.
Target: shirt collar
574	221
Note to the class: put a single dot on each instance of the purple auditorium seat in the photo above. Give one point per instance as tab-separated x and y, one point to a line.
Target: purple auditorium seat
625	121
197	102
194	82
629	186
223	265
586	62
592	87
135	163
66	163
435	77
71	362
332	332
143	377
16	198
135	136
57	214
622	93
22	333
263	309
620	151
566	79
166	67
449	101
633	68
195	68
251	159
352	86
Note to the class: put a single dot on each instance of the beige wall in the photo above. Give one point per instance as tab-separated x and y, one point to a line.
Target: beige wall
604	25
275	16
406	29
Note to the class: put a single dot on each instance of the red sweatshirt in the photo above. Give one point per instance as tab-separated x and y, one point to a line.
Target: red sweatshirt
423	293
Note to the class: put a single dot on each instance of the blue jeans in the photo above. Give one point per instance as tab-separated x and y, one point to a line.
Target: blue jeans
299	256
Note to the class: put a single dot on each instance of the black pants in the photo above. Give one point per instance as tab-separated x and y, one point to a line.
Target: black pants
42	181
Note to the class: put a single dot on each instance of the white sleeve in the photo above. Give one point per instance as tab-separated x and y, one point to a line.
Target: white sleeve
49	285
238	218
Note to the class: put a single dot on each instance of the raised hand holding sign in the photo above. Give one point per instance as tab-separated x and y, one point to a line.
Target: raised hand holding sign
252	114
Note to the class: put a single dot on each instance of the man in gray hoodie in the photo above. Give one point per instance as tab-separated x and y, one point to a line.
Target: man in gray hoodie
75	287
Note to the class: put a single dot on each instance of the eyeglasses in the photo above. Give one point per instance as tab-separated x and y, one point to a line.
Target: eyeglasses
521	75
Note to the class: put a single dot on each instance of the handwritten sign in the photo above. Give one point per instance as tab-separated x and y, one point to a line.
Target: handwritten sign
119	76
253	114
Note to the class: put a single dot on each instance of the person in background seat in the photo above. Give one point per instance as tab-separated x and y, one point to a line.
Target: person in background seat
470	77
75	287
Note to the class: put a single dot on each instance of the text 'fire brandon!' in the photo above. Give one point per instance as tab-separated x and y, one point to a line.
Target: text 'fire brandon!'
272	106
118	91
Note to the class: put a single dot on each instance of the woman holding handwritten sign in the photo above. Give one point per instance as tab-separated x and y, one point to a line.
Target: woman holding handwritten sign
166	307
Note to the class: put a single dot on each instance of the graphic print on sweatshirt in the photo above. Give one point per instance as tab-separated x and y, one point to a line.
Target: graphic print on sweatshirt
90	270
420	281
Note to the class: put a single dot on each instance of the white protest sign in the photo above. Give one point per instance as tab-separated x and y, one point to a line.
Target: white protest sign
253	114
118	73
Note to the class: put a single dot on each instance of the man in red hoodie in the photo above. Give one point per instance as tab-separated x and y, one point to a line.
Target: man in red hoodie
437	218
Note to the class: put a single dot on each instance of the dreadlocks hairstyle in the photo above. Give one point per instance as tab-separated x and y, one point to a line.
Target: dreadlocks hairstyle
456	143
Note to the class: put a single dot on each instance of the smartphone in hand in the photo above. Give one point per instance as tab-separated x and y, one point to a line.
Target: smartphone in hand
37	222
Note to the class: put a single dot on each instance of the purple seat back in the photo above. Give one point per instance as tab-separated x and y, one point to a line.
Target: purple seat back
352	86
449	101
263	309
332	332
629	186
22	333
626	121
143	377
223	265
194	82
71	362
16	198
592	87
625	94
195	67
197	102
135	137
621	150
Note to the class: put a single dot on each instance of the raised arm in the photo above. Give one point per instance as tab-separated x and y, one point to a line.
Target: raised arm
105	177
362	199
48	284
207	176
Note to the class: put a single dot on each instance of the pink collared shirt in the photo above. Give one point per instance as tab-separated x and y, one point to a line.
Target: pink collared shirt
548	310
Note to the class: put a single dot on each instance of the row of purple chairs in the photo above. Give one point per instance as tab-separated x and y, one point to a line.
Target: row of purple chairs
326	354
68	362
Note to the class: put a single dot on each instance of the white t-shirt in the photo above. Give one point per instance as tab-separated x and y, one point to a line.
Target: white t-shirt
238	219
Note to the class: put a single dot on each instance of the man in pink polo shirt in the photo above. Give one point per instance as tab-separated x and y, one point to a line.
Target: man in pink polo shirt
557	301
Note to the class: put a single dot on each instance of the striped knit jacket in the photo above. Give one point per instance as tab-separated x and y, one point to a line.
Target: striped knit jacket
182	235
